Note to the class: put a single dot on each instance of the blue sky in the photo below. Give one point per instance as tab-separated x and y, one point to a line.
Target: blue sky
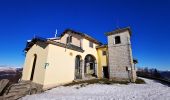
148	19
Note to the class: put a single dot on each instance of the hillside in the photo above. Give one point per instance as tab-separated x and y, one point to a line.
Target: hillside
165	74
11	73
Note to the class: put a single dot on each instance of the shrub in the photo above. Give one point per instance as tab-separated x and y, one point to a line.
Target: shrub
139	81
99	81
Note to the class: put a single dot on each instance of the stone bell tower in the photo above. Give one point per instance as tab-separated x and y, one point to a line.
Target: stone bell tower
121	66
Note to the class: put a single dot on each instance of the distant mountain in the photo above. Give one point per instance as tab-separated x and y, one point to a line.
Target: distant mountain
7	70
165	74
11	73
8	66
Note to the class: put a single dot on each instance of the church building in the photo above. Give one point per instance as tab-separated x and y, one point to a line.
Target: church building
77	56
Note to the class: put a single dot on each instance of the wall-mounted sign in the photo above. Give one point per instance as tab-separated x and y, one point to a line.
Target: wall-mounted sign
46	64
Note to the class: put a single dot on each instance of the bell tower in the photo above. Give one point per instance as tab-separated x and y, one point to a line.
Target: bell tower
121	66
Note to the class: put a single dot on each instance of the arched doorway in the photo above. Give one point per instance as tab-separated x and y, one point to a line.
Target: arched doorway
33	67
78	71
90	66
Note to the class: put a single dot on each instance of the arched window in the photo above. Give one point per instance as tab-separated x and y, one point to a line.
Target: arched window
117	40
69	39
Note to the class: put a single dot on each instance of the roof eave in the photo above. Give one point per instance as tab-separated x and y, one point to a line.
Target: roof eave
83	35
117	31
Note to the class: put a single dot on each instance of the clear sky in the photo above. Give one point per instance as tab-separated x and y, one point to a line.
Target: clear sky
148	19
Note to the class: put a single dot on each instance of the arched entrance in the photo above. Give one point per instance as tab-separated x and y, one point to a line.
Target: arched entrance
90	66
78	71
33	67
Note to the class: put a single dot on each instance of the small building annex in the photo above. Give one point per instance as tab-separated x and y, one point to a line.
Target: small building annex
75	55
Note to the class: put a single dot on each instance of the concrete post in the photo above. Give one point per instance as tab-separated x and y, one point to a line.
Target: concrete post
82	67
96	70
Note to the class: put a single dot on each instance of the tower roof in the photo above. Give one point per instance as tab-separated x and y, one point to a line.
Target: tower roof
118	31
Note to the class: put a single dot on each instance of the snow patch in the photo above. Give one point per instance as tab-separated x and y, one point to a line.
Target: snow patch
152	90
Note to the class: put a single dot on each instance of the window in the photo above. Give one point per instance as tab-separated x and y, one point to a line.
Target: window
69	39
104	53
117	40
90	44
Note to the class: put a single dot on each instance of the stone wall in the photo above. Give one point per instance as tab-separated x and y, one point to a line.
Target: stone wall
120	57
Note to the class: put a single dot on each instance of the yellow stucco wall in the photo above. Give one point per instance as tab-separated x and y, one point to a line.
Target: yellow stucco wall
41	50
102	61
61	61
61	68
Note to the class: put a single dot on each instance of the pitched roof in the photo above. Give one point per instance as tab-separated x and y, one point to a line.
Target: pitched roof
118	31
47	41
82	35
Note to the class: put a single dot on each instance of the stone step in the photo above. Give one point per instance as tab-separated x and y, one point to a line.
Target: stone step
21	89
3	84
21	84
18	90
10	94
15	96
14	88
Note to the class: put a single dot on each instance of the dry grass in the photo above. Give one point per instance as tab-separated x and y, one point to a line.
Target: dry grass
103	81
139	81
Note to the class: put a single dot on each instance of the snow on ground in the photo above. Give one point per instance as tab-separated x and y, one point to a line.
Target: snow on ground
152	90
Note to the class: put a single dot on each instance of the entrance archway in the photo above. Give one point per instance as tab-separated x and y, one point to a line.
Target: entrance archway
78	71
33	67
90	66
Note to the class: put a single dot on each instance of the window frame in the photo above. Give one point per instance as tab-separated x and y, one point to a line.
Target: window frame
90	44
69	39
117	40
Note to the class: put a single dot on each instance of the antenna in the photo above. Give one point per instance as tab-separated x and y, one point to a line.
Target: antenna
56	33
